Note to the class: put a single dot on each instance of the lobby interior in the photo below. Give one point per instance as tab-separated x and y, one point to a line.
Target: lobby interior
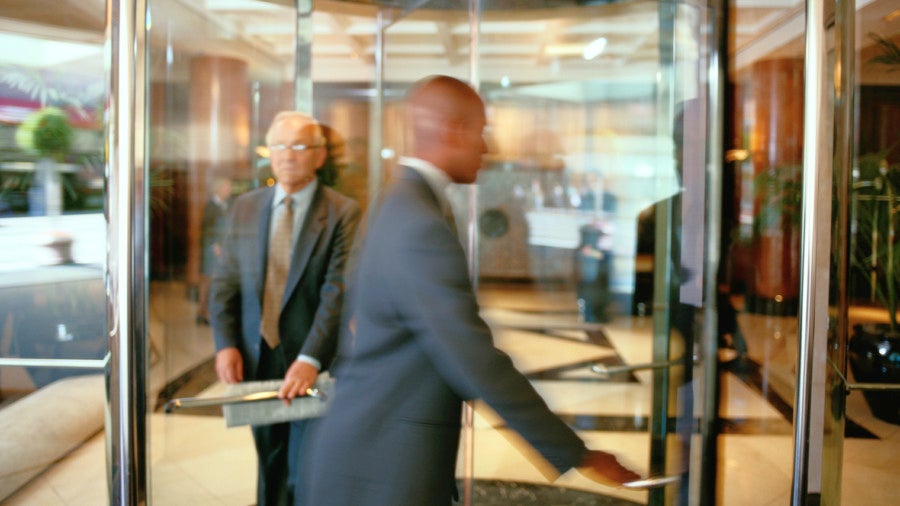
528	283
198	460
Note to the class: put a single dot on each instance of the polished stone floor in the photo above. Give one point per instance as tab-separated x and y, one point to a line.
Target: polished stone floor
194	459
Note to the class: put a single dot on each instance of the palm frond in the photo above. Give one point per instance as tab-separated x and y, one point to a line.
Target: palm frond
890	53
38	86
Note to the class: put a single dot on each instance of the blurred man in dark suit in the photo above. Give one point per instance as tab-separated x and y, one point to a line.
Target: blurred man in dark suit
420	349
212	229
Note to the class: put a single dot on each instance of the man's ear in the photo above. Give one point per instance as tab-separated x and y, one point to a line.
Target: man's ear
321	156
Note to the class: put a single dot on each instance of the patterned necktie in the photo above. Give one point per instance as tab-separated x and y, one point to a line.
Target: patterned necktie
277	265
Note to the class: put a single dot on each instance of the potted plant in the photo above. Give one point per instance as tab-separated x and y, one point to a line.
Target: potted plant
874	349
48	133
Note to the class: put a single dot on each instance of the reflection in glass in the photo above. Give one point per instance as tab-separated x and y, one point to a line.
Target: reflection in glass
53	337
562	215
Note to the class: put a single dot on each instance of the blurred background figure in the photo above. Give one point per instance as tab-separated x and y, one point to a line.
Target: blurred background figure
215	217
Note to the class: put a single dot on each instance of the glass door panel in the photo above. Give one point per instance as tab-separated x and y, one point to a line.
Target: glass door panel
862	416
53	231
586	284
761	261
213	86
585	228
587	224
219	72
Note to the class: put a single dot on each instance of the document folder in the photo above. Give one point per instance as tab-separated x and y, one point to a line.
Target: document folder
257	402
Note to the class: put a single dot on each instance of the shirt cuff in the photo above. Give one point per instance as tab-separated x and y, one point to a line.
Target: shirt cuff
310	360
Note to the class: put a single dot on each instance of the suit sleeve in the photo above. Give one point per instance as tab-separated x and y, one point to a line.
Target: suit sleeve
321	342
225	289
443	312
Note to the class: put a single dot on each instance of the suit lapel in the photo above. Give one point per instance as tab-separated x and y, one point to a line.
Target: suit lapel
309	234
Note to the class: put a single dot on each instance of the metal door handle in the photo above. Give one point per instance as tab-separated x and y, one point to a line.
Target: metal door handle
658	481
200	402
605	371
885	387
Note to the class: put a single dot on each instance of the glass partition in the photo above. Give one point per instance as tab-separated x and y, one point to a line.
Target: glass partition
864	409
591	229
218	74
761	261
585	235
211	92
852	439
53	333
589	243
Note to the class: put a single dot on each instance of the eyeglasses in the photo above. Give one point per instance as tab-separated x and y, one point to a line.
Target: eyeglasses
296	148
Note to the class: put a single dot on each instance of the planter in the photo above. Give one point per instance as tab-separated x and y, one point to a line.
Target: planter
875	358
45	196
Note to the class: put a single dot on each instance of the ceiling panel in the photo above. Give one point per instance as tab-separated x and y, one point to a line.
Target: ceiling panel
545	34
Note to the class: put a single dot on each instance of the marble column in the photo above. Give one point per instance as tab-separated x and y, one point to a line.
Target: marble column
219	138
776	147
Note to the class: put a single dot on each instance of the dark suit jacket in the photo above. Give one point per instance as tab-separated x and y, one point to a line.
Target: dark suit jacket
310	314
212	229
392	432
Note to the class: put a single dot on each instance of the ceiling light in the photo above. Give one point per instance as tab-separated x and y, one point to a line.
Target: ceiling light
736	155
892	16
594	49
563	49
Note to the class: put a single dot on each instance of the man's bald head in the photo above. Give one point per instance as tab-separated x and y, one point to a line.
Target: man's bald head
447	120
441	100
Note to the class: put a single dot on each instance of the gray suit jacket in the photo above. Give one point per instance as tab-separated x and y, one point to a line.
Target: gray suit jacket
392	432
310	314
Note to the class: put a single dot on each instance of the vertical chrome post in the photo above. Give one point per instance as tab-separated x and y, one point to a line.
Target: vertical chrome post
717	75
844	65
303	34
472	250
661	396
125	269
254	131
376	117
814	261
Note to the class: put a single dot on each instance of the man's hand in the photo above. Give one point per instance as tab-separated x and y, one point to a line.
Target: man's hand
300	376
230	365
603	468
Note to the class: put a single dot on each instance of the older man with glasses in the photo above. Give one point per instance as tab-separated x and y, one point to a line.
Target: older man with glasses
276	296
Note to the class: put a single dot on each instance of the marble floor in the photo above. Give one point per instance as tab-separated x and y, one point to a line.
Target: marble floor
194	459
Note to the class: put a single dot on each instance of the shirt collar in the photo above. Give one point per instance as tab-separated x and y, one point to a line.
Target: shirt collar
301	198
437	179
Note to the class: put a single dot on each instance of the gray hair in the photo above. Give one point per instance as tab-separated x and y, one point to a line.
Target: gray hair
309	121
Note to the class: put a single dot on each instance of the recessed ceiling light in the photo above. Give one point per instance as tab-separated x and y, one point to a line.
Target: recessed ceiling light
594	49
